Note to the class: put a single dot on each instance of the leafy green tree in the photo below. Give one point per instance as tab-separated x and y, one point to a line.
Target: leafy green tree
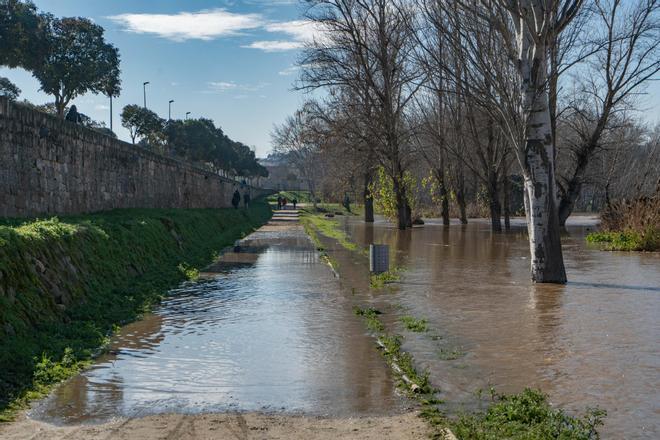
141	123
8	89
24	34
78	61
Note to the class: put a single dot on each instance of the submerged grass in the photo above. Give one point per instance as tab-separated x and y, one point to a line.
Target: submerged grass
66	284
329	227
378	281
415	325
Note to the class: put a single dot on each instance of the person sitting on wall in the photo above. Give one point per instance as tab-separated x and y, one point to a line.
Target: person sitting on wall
236	199
246	199
73	115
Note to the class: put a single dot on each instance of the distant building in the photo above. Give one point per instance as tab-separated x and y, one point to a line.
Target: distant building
282	175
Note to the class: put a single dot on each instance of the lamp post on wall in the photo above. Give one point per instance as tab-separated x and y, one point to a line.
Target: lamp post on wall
187	113
169	110
144	92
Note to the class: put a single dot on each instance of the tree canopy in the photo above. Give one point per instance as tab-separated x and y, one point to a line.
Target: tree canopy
140	122
8	89
78	61
23	34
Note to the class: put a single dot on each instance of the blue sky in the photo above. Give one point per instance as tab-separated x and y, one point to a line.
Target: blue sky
231	61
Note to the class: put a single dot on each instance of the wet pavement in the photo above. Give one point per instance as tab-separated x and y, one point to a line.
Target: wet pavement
265	329
593	342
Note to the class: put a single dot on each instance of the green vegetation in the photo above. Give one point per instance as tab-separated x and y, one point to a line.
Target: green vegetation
527	415
415	325
378	281
300	196
450	354
630	240
329	227
630	225
391	345
371	316
65	284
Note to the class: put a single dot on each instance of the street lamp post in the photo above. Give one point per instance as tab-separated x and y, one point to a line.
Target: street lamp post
144	92
169	110
187	113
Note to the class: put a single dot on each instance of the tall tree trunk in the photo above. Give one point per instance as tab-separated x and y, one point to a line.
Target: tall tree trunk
397	187
409	223
462	211
444	197
368	197
537	160
460	194
507	191
494	202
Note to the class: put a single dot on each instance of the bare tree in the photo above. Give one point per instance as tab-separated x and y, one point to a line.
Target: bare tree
366	48
627	37
296	139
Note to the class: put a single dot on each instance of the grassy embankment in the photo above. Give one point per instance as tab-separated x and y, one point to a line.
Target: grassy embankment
630	225
66	283
526	415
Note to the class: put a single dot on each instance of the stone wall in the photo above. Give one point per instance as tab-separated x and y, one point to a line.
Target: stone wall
49	166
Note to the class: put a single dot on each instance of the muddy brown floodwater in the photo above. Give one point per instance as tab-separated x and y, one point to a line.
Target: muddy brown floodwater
267	330
593	342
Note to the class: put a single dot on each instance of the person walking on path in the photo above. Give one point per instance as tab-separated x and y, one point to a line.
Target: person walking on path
295	202
279	202
284	202
246	199
236	199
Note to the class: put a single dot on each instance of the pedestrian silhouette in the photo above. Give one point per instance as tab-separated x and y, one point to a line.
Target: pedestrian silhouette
236	199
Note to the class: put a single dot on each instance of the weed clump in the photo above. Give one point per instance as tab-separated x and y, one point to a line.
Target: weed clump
378	281
527	415
415	325
631	225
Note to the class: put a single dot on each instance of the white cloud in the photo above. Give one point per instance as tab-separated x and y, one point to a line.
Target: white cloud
289	70
274	46
101	107
223	86
299	30
202	25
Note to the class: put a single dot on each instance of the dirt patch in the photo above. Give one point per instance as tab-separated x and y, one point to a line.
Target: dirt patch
227	426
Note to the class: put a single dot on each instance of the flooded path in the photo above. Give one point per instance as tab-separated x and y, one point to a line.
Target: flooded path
266	329
592	342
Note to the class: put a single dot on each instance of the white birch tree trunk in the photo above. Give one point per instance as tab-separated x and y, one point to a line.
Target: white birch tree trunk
538	164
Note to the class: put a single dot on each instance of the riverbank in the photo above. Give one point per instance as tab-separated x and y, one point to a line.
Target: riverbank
66	283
